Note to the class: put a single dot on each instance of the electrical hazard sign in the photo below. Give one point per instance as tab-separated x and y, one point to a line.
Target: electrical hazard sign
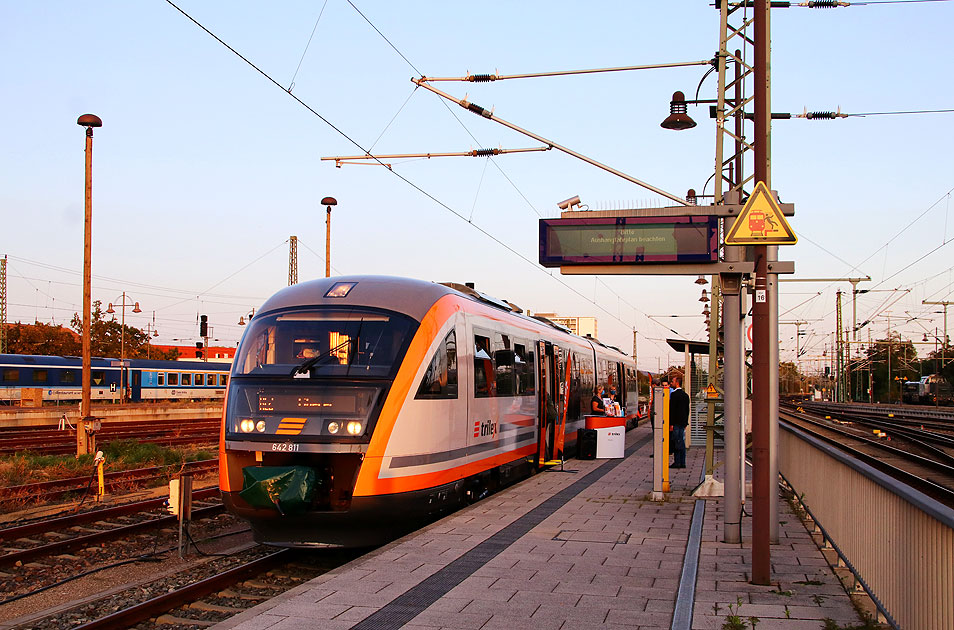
761	222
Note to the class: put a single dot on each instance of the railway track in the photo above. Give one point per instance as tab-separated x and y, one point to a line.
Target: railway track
44	491
202	591
921	458
163	432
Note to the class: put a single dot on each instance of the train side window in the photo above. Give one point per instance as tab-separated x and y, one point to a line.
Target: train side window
97	378
173	378
200	379
503	365
440	378
161	379
11	376
484	385
210	380
523	368
186	379
223	380
67	377
40	376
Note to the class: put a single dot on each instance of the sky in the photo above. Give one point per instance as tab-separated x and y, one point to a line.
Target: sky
204	166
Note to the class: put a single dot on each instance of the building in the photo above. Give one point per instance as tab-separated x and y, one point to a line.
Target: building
217	354
581	326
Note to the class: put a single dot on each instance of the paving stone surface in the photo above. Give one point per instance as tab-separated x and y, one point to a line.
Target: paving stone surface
608	558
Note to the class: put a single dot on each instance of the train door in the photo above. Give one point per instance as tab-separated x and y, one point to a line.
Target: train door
550	402
135	389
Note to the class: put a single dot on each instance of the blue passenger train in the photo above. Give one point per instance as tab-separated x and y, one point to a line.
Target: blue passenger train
61	379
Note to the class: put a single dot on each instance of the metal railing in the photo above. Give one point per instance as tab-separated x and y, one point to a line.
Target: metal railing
897	542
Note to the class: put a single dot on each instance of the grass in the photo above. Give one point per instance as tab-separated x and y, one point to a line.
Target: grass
31	467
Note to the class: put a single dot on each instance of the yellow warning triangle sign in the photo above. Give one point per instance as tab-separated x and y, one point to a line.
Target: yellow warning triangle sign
761	222
711	391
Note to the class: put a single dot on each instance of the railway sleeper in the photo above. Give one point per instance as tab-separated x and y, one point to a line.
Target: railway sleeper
209	607
183	621
233	594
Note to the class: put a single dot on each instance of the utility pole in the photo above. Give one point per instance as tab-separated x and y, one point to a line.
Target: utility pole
765	388
292	260
90	121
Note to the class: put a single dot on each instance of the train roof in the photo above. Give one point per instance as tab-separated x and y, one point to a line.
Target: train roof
57	361
408	296
403	295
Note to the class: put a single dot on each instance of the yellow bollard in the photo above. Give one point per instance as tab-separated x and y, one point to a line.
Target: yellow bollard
99	461
665	453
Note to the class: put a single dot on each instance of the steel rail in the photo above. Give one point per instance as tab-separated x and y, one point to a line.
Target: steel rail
73	484
62	546
935	490
158	605
39	527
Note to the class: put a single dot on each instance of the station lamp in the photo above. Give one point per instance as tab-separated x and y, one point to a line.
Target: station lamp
678	119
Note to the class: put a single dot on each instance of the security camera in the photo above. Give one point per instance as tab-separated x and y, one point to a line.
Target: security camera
566	204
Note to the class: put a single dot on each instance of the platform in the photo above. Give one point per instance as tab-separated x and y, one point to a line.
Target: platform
572	551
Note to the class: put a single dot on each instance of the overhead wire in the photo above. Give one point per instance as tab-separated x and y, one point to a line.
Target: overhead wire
363	150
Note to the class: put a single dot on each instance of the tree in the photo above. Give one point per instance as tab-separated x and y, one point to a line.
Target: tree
789	378
903	366
106	337
941	361
42	339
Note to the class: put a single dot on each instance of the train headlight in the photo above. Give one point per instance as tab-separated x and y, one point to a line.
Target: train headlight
354	428
247	425
260	426
333	427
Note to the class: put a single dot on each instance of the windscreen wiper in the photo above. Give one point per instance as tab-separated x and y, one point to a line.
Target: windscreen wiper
308	363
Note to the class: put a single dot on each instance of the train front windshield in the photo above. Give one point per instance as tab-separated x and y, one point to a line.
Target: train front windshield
323	343
315	373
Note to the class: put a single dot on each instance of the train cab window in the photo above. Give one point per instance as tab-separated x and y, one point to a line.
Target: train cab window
173	378
186	379
322	342
440	378
11	376
67	377
40	376
523	368
200	379
161	379
484	384
503	365
98	377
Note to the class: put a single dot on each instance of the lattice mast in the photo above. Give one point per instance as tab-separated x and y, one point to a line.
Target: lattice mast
292	260
3	305
839	351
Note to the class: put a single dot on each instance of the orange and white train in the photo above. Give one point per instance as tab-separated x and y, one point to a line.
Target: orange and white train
359	407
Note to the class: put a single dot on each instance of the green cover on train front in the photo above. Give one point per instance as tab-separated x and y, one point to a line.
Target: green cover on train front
287	488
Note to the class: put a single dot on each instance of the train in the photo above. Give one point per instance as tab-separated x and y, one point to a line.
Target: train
929	390
60	379
362	406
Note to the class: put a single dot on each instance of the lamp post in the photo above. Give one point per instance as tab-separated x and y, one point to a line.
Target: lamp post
82	439
328	202
122	343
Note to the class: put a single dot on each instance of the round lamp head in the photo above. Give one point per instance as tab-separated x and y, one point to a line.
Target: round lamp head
89	120
329	201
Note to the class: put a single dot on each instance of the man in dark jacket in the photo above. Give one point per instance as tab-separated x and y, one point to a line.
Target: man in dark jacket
678	420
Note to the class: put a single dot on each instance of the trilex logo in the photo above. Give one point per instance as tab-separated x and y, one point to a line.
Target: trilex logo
483	429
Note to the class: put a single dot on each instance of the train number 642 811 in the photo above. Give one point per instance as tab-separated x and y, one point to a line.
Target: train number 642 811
285	447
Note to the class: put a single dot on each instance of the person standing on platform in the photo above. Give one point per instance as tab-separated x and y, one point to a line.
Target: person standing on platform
678	421
597	408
